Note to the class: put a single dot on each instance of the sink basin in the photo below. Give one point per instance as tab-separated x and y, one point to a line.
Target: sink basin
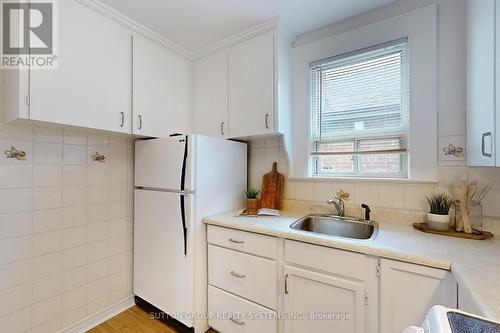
337	226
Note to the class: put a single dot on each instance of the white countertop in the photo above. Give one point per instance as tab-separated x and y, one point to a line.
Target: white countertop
475	264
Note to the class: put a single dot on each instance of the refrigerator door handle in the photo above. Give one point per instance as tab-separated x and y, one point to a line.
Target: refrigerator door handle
183	185
184	227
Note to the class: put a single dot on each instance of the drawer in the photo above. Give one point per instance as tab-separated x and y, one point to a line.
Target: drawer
247	316
259	245
248	276
345	263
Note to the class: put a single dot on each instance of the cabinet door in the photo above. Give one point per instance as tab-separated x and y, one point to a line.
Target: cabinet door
407	292
162	85
337	303
481	82
251	87
210	95
497	83
92	86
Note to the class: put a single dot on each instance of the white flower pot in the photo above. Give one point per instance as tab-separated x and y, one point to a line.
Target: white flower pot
438	222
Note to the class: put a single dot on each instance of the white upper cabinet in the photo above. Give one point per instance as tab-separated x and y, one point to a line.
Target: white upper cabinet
92	86
244	90
108	78
251	87
481	79
161	92
210	95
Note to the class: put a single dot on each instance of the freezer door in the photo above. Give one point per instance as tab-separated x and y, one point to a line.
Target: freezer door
164	163
162	271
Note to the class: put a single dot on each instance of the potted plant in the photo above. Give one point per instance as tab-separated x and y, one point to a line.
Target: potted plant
439	215
252	201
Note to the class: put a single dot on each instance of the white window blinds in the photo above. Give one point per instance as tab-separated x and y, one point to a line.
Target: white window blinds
359	96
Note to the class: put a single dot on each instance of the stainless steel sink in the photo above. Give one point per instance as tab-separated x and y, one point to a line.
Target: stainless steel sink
345	227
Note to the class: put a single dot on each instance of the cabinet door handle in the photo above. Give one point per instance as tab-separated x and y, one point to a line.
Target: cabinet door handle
222	128
236	241
239	276
122	115
483	144
140	121
286	284
267	121
237	322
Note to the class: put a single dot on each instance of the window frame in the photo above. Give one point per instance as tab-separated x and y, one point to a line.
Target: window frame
403	135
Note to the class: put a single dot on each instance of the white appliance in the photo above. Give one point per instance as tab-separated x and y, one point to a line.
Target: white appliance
440	319
179	181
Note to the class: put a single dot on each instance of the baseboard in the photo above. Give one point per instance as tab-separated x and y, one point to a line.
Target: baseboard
100	317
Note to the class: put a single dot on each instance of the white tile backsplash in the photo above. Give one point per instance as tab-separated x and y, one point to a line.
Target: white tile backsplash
65	227
47	175
16	176
383	196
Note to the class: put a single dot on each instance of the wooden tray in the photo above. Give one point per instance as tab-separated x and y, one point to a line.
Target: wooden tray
451	232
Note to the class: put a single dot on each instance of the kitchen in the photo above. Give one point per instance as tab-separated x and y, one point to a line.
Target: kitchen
140	143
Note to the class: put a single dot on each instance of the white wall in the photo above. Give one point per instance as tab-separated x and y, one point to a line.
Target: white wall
420	26
451	98
65	226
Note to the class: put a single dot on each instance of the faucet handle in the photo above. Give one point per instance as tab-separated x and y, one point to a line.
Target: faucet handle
367	212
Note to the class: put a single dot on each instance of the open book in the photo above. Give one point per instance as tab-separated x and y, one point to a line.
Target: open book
261	212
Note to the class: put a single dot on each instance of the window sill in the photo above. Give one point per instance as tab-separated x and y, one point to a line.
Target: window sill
365	180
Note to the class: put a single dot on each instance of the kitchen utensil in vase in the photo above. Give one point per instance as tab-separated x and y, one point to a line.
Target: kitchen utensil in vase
461	192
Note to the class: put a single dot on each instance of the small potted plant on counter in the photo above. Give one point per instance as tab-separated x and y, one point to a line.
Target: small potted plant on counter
439	215
252	201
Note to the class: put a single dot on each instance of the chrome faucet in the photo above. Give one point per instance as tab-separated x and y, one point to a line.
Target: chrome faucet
339	202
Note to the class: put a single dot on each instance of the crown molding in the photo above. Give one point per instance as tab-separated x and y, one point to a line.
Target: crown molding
256	30
136	27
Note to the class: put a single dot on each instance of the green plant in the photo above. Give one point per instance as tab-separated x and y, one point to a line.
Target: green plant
439	203
252	193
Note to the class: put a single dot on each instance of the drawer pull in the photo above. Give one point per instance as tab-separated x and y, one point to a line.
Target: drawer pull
239	276
236	241
237	322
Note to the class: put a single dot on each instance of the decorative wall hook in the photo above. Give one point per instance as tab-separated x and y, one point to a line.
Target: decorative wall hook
17	154
342	195
98	157
452	150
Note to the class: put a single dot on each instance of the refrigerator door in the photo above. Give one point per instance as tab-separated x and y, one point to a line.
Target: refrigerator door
162	270
164	163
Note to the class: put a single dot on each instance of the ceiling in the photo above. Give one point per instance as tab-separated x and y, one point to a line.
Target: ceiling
196	24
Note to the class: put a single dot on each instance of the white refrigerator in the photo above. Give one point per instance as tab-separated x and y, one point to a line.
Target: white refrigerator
179	181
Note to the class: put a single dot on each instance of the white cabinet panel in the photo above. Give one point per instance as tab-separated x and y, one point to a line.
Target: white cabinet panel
481	82
210	95
338	302
161	92
407	291
242	274
251	87
241	316
259	245
92	86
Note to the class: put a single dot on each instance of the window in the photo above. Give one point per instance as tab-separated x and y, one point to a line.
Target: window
360	112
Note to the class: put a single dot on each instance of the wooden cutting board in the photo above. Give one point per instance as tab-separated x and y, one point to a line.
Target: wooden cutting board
272	189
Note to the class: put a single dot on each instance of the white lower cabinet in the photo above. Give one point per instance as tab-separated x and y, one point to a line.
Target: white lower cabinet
265	284
231	313
243	274
316	302
407	291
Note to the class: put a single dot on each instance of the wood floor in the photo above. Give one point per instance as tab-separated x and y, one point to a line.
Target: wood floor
134	320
